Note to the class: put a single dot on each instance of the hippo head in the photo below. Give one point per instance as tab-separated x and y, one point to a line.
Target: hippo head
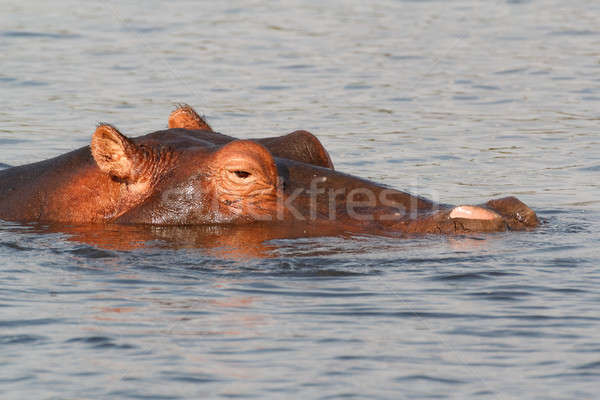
166	178
191	175
198	184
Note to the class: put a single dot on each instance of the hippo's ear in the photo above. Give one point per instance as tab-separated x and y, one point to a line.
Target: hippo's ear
185	117
114	153
244	166
300	146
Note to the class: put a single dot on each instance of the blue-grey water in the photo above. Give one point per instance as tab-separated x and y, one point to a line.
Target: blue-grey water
459	101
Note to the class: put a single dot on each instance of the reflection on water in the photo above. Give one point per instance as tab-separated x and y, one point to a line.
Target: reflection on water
457	101
246	241
242	242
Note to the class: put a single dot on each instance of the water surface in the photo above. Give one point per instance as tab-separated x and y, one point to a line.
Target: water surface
459	101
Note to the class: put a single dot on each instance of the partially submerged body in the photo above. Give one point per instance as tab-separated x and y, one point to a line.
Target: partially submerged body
190	175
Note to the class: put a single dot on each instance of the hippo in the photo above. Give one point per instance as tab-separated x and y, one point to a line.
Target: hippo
190	175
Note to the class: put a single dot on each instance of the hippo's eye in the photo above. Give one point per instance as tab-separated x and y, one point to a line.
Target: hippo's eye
241	174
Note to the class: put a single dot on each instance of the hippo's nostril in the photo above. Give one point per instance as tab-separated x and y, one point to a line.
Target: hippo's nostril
519	217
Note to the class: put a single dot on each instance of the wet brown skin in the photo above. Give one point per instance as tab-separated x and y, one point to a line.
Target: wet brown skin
198	177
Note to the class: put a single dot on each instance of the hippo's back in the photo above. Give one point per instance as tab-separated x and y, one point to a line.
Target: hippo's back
27	174
28	183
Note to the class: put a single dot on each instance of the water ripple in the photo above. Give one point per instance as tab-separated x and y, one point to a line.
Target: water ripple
467	276
29	322
21	339
29	34
591	365
100	342
430	378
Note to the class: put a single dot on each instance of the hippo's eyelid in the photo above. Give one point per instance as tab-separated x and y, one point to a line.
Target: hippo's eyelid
241	173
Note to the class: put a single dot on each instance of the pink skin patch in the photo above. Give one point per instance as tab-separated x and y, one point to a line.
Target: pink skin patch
473	212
